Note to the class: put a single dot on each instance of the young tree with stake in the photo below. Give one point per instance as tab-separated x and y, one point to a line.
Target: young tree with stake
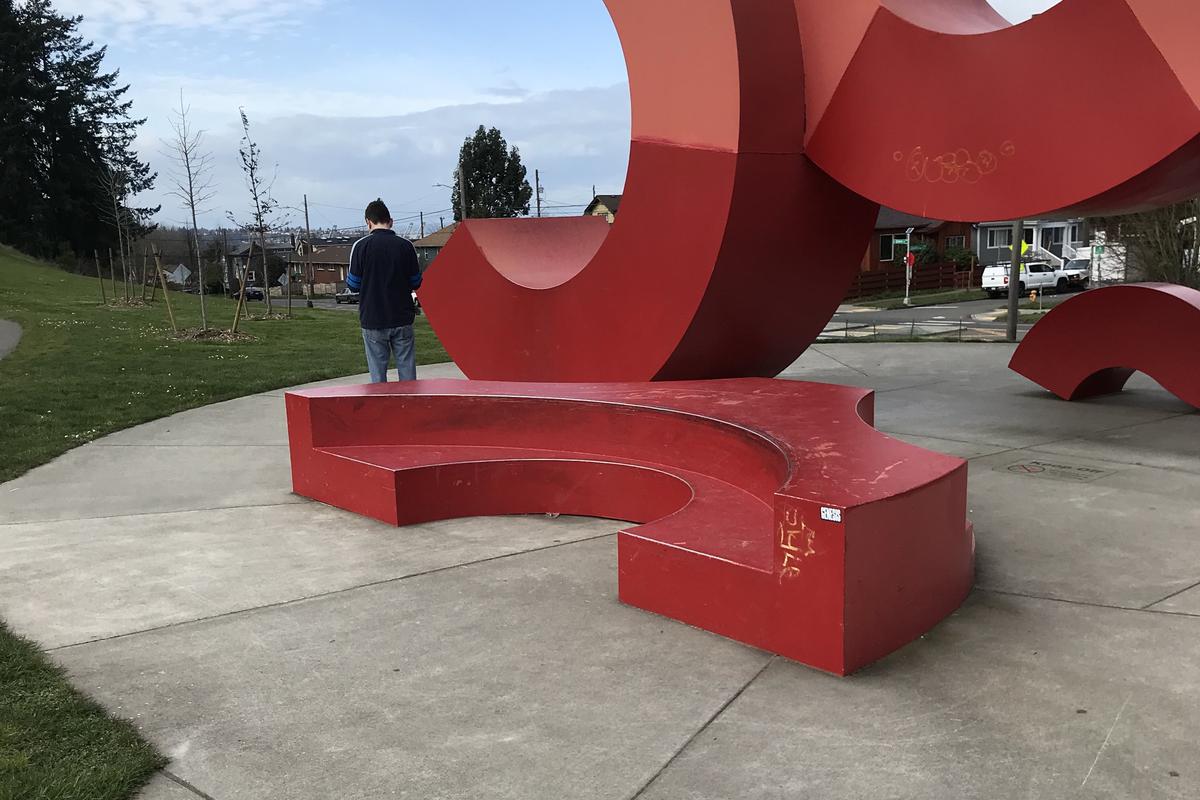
262	209
192	179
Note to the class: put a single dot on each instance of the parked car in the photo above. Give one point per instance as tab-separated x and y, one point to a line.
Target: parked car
1079	273
346	296
252	293
1038	276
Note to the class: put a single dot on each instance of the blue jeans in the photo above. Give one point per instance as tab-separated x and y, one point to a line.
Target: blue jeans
382	344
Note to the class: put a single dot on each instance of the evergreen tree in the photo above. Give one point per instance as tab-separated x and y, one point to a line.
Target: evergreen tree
494	176
66	139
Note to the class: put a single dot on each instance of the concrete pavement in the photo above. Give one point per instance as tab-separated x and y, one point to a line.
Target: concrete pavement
10	336
279	649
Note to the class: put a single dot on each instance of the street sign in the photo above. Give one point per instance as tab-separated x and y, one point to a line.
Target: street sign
911	260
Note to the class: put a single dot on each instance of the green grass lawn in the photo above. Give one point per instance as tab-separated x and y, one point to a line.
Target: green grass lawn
56	744
893	302
83	370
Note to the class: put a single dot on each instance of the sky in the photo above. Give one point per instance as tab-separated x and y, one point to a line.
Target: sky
350	100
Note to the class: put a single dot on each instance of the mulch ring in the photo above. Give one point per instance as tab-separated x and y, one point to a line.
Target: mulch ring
220	336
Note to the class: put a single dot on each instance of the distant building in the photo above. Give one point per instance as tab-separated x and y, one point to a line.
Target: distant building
604	205
891	228
328	263
429	247
1054	241
178	275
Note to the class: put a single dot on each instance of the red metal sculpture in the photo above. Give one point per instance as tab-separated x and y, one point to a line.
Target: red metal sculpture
765	133
1092	344
810	535
732	251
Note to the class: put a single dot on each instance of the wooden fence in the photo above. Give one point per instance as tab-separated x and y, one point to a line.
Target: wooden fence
946	277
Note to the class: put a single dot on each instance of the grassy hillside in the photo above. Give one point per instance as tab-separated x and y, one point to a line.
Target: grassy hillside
84	370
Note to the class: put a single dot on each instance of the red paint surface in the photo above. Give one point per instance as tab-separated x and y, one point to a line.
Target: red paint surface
726	481
1150	327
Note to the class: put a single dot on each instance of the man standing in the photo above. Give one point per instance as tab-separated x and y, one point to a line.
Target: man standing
384	270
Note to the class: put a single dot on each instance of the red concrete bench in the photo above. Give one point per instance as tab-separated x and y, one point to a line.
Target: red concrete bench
753	520
1092	344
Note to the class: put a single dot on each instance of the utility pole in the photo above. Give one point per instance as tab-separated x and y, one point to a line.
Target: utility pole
1014	279
537	181
462	193
422	224
308	248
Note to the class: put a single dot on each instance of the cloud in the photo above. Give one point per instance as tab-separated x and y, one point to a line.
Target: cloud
576	138
126	19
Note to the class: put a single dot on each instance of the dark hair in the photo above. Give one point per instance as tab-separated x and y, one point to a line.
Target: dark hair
378	214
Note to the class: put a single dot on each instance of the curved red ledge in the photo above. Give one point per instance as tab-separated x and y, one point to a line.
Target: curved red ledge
770	512
967	153
1092	344
731	251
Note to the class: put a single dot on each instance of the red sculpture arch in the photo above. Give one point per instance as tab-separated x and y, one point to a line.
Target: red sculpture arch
732	250
1151	327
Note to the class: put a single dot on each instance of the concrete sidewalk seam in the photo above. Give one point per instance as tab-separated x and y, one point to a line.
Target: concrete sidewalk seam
1089	604
675	756
299	501
1172	597
176	779
909	388
326	595
839	361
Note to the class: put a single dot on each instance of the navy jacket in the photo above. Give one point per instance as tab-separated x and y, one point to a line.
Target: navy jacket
385	271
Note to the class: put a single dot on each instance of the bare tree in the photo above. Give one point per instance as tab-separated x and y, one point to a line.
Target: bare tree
263	209
113	185
1162	245
192	179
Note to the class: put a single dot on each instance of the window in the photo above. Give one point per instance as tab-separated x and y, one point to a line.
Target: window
956	243
1053	237
1002	238
251	277
887	247
1075	235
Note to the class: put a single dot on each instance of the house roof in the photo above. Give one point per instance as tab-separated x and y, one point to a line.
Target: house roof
610	201
335	254
437	239
890	219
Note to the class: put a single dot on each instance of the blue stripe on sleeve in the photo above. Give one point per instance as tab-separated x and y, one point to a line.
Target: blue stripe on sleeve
354	282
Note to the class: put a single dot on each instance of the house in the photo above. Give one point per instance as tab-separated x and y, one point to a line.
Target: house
251	254
604	205
178	275
941	240
325	268
429	246
1055	241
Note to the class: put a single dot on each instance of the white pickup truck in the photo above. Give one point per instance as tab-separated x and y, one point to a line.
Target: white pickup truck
1036	276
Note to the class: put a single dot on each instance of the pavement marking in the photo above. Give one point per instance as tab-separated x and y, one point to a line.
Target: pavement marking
1058	470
